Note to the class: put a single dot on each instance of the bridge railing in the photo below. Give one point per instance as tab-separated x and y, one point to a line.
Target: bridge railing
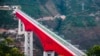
63	41
55	36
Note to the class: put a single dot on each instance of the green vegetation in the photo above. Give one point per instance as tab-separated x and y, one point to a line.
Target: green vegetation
6	20
8	49
31	7
72	9
59	22
94	51
61	5
43	1
81	25
80	21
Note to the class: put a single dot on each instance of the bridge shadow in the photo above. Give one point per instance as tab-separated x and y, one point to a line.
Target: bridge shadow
37	46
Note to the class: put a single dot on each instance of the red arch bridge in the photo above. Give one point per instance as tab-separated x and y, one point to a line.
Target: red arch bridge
51	42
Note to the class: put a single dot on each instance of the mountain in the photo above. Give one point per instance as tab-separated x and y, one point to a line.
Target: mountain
82	23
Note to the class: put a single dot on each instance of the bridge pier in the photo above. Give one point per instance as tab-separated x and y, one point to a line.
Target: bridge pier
28	49
21	28
46	36
48	53
28	39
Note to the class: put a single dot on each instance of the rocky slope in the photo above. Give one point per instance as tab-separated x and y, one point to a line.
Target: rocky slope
82	23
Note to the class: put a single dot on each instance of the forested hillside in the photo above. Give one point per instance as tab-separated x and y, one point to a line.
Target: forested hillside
82	23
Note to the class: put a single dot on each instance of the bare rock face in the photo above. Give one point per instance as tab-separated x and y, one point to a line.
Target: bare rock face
81	25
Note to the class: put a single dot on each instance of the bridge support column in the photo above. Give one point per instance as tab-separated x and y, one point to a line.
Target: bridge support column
21	28
28	42
28	48
48	53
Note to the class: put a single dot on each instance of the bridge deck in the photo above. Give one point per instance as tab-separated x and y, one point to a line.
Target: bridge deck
55	36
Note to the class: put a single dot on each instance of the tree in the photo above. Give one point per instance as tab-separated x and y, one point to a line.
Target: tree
62	7
94	51
7	50
8	41
15	52
59	24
